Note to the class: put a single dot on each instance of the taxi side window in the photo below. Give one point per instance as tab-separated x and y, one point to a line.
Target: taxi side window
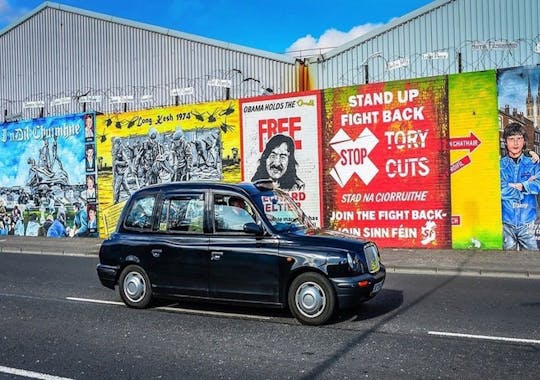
140	214
231	212
182	214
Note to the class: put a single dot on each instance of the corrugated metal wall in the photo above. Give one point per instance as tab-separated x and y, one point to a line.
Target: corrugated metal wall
60	52
63	52
474	35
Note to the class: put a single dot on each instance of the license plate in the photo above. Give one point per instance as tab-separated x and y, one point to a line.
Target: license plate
377	287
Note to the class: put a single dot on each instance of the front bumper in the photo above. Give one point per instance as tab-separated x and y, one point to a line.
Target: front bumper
107	275
350	293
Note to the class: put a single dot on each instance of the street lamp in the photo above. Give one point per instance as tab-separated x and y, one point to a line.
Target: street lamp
366	67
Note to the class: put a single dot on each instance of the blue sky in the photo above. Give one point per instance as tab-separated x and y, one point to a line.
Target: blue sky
277	26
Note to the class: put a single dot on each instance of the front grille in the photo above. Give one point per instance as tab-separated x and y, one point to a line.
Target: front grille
371	254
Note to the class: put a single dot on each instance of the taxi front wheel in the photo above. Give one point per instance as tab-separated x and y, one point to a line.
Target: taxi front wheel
134	287
311	299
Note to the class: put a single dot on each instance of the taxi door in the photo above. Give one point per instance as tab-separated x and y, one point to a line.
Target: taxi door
243	266
180	247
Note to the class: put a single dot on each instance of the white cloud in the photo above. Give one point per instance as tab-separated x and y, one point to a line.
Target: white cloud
331	38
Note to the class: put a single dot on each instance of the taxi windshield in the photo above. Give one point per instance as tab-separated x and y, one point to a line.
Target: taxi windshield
282	211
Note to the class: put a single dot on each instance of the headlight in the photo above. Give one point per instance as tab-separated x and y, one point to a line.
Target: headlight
371	253
354	262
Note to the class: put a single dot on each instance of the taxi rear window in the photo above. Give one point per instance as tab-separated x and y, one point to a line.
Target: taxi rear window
182	214
140	214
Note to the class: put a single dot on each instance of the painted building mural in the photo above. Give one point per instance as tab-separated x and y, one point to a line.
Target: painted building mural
410	164
519	123
386	162
281	141
147	147
43	177
474	164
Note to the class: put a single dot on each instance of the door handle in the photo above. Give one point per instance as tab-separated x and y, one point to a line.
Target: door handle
216	256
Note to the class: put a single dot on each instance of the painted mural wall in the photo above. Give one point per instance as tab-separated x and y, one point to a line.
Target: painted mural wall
474	161
386	162
519	123
147	147
282	141
410	164
46	185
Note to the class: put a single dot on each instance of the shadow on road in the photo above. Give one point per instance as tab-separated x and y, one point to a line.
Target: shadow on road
386	302
347	346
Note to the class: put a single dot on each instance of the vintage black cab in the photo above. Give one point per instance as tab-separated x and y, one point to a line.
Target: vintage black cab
246	243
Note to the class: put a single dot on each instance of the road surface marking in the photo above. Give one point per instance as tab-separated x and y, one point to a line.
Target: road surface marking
94	301
178	310
485	337
215	313
33	375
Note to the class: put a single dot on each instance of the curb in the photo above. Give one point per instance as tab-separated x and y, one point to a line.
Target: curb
463	272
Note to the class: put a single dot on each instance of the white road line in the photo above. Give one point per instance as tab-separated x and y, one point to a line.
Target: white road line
178	310
94	301
33	375
215	313
485	337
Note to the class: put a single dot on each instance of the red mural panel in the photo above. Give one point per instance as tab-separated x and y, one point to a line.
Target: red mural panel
386	162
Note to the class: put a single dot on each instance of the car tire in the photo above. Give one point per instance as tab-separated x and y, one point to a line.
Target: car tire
134	287
312	299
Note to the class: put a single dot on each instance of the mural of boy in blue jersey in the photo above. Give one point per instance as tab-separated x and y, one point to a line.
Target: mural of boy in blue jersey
520	185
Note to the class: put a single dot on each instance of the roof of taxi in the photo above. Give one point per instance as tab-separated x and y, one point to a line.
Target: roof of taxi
247	187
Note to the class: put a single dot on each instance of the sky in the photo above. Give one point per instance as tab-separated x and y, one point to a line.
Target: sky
297	27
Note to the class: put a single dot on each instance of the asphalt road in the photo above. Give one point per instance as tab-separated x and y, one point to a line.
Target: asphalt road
57	321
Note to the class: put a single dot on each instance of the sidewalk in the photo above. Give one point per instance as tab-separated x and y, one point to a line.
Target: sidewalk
44	245
524	264
448	262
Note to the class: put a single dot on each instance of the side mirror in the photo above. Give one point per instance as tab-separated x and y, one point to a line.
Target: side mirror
253	228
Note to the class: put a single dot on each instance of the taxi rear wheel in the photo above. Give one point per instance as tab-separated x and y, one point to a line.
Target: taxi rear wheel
311	299
134	287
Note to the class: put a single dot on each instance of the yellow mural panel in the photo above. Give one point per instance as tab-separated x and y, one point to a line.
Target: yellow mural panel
474	163
181	143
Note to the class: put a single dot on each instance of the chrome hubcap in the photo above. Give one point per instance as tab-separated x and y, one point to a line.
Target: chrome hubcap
310	299
134	286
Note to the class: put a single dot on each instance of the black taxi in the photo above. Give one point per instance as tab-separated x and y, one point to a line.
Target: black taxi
246	243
